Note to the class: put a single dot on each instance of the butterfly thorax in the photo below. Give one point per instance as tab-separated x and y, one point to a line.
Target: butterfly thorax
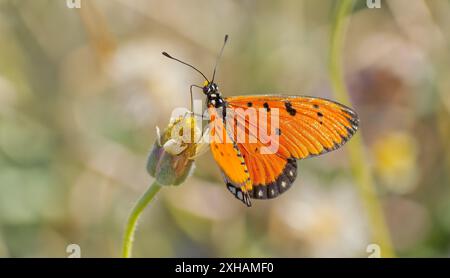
213	96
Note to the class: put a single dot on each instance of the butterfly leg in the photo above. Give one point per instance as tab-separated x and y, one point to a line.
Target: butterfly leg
202	144
192	95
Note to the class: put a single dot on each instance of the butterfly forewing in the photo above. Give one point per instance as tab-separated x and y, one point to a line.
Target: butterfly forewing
229	158
308	126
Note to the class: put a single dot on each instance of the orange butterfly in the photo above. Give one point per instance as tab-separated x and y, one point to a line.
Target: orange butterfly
306	127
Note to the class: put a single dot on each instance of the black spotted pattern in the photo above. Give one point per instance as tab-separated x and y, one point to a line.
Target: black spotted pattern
239	194
280	185
289	108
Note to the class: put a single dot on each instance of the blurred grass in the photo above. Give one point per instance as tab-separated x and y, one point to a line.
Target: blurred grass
360	168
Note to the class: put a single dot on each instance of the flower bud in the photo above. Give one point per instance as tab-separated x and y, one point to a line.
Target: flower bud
171	159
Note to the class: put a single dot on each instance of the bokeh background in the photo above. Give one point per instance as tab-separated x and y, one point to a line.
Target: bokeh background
82	90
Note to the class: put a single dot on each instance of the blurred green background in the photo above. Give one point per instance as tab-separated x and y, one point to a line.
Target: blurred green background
82	90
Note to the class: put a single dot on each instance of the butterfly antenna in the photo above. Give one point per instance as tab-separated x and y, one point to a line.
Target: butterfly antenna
189	65
219	56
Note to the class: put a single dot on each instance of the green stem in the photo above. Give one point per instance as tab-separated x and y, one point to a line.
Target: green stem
361	170
133	218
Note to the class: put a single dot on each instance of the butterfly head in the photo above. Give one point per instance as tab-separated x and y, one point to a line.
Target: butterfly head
213	96
210	88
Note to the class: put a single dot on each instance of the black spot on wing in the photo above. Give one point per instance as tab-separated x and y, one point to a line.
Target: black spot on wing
351	127
289	108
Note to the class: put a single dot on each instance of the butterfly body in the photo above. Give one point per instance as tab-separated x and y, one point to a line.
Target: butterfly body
238	178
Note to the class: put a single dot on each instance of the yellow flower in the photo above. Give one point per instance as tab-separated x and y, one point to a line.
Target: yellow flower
396	161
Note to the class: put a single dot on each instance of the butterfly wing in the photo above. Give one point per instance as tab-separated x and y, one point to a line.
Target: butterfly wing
307	127
229	158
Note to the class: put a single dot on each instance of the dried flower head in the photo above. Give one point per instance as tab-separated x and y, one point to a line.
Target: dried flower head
171	159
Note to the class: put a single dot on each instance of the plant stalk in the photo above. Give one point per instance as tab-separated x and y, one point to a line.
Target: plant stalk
360	169
133	218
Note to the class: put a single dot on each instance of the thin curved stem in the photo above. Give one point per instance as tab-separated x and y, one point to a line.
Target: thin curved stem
361	170
133	218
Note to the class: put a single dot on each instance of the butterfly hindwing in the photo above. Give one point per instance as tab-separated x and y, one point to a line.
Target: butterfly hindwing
271	173
279	185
